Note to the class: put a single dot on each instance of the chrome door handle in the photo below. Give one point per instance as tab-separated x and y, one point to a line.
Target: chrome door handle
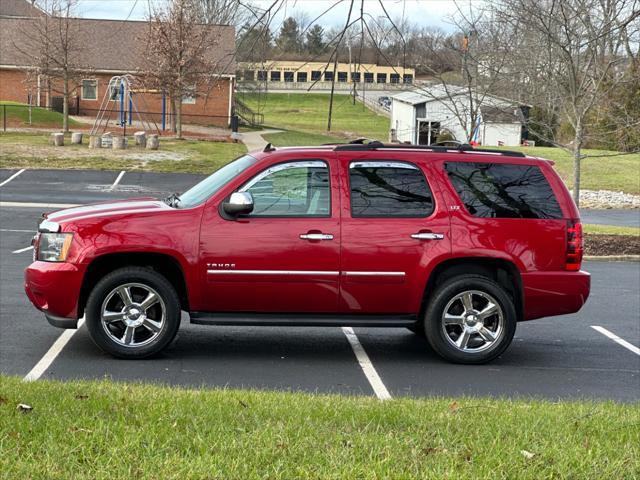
316	236
427	236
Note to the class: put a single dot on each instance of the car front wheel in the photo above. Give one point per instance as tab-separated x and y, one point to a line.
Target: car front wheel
133	312
470	319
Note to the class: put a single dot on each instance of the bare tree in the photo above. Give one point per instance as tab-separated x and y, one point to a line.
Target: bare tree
221	12
178	50
54	49
577	52
467	67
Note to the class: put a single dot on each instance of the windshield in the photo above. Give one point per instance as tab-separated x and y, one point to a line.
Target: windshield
214	182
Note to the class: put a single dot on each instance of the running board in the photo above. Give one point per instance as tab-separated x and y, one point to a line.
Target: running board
302	320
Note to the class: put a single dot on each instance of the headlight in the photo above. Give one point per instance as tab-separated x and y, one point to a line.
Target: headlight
54	247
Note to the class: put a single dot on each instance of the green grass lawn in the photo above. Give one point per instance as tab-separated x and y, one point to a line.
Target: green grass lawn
610	230
292	138
619	173
307	112
103	430
18	116
30	150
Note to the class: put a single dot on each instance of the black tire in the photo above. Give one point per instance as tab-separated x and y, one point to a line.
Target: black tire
135	279
441	336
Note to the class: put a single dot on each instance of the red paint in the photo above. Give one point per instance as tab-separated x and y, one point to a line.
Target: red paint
200	236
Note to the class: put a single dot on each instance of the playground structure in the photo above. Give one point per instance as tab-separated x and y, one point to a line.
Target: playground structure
120	98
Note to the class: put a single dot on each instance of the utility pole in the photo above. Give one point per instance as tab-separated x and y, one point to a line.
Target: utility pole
333	85
351	72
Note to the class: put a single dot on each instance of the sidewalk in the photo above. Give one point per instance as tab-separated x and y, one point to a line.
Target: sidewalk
254	140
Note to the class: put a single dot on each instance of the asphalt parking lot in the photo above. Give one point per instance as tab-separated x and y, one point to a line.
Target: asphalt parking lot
560	357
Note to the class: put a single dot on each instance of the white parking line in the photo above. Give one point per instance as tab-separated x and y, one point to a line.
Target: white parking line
367	367
12	177
23	249
115	184
616	339
38	205
16	231
46	361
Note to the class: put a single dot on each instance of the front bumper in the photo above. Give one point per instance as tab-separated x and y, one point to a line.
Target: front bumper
54	288
554	293
61	322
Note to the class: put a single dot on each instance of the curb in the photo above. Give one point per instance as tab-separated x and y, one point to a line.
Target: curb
612	258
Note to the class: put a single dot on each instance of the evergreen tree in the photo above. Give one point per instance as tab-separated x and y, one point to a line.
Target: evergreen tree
315	40
289	40
254	43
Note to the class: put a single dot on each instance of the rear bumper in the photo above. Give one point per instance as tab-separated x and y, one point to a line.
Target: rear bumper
554	293
54	288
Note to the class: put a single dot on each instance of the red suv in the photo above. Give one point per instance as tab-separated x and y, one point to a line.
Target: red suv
453	243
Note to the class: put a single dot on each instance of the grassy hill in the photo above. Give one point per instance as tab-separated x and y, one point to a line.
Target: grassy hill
307	113
18	116
601	170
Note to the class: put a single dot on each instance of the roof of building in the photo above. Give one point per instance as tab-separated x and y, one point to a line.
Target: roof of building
104	45
19	8
430	93
411	97
501	110
501	115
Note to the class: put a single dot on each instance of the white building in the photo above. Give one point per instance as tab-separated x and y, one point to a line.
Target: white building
420	116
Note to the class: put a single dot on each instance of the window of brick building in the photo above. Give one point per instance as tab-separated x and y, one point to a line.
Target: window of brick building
89	89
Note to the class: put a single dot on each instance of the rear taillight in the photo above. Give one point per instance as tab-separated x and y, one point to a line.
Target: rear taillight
574	245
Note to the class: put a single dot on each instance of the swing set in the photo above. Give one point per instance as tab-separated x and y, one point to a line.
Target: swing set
120	99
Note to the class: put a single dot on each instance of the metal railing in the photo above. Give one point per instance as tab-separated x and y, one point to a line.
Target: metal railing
25	116
245	113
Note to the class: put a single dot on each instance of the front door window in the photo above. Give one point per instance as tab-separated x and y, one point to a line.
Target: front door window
295	189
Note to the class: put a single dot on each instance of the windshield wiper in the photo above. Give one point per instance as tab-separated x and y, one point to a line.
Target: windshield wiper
172	200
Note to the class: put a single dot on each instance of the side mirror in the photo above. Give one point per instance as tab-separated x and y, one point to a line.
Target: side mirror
240	203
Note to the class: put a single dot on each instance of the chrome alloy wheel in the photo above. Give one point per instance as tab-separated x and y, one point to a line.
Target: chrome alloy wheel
133	314
473	321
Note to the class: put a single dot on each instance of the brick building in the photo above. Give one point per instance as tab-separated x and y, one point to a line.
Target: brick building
108	48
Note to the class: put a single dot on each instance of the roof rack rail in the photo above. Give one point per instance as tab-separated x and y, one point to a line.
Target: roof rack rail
357	141
376	145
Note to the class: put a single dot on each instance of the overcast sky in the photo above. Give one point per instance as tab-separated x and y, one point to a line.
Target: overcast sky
423	12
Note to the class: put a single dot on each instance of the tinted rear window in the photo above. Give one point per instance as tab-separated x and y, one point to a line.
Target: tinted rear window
494	190
388	189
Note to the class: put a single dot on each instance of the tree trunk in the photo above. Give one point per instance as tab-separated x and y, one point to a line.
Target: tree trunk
179	119
65	104
577	156
173	113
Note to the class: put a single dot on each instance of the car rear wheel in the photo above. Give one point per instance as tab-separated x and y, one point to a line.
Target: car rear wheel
133	312
470	319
